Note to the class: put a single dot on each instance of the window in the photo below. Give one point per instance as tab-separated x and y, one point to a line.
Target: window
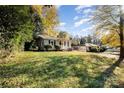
49	41
60	43
54	42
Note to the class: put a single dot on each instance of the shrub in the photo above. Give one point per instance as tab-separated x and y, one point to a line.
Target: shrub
70	49
27	46
76	47
102	49
94	49
16	31
33	45
47	47
57	47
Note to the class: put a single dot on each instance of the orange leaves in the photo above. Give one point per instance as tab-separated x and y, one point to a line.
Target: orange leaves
111	39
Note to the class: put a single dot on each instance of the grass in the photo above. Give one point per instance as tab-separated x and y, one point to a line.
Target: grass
59	69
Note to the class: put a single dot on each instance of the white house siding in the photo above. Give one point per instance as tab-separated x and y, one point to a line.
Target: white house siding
46	42
69	44
65	45
57	42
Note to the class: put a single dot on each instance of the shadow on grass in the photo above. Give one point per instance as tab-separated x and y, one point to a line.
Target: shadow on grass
54	71
55	68
106	74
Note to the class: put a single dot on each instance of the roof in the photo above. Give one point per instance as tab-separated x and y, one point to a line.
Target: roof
47	37
64	39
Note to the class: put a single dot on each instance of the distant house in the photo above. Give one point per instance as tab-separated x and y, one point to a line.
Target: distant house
43	40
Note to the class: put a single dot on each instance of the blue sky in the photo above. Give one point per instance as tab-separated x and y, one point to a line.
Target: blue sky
75	19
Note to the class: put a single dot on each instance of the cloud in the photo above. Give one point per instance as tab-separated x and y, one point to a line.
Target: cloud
62	28
58	6
86	11
86	31
75	18
79	8
82	7
80	22
62	24
88	28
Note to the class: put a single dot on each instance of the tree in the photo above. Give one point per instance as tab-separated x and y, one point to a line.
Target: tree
50	18
111	39
45	18
36	16
63	34
110	19
89	39
76	40
15	27
82	41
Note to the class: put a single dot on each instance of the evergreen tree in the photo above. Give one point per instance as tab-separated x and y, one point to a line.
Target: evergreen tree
82	41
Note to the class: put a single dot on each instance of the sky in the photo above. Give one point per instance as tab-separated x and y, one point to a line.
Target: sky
75	19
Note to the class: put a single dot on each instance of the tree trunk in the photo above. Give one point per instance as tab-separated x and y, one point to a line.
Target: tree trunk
121	45
121	40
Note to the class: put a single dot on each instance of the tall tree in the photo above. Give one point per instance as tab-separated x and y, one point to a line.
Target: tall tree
89	39
45	18
15	26
36	15
76	40
63	34
50	17
82	41
110	19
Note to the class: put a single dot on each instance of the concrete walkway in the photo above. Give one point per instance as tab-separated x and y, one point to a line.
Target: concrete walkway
109	54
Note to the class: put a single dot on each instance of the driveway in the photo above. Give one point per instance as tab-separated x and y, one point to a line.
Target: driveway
110	54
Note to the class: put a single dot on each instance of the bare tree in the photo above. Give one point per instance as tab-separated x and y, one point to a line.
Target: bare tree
110	18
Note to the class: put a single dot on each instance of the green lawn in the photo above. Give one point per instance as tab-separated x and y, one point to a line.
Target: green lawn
59	69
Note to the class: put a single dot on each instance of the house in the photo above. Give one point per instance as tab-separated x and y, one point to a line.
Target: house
43	40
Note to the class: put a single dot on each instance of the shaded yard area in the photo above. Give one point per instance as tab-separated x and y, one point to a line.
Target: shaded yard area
60	69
